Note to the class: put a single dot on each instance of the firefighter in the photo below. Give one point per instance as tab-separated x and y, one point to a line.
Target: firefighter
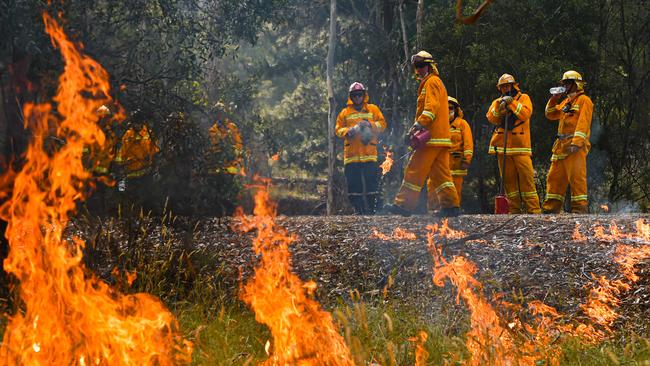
569	159
136	152
98	160
431	160
224	132
358	124
461	152
515	108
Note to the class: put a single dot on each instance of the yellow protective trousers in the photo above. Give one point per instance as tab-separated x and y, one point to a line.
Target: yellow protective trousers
571	171
432	162
519	183
432	197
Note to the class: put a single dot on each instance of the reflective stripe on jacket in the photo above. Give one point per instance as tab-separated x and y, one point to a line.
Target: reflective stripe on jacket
574	114
433	110
521	109
354	150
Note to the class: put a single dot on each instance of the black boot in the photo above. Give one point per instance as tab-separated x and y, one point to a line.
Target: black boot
449	212
357	204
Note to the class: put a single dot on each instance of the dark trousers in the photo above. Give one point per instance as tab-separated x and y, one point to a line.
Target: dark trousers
363	186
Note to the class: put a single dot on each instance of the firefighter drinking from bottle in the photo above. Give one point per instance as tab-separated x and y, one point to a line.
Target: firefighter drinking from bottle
461	152
569	159
431	157
358	125
510	113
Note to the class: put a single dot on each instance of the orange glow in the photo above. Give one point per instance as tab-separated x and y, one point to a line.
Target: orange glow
487	341
387	164
68	316
276	156
604	299
421	354
577	236
628	256
303	333
398	234
605	208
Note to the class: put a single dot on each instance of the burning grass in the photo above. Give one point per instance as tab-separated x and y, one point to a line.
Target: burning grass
176	259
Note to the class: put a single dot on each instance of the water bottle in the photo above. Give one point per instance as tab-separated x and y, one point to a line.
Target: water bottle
557	90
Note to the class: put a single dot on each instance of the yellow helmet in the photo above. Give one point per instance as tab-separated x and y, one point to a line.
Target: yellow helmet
454	101
506	79
424	56
571	75
574	76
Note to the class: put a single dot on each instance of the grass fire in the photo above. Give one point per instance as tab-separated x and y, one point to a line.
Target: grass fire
339	183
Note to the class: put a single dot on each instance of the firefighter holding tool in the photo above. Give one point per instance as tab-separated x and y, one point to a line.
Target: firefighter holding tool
510	142
431	139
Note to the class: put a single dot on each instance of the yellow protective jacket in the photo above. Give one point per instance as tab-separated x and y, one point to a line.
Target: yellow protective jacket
575	114
136	152
433	110
227	132
462	145
518	122
354	150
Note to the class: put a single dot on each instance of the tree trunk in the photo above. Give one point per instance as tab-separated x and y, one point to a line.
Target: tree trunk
332	109
403	26
419	19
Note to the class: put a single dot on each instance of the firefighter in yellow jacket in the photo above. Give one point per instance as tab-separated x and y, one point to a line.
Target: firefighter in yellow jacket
225	131
569	159
358	125
431	160
136	151
461	152
515	108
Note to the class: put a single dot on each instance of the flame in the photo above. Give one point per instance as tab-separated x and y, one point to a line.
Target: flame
605	208
628	256
487	341
276	156
387	164
398	234
67	315
303	334
577	236
421	353
604	299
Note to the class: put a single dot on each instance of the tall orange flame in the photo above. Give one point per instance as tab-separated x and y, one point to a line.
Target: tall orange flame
303	334
69	316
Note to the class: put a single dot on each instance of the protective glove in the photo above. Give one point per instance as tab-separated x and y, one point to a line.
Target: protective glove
507	99
365	123
353	131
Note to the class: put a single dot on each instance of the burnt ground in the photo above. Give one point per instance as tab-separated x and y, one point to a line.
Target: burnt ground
519	258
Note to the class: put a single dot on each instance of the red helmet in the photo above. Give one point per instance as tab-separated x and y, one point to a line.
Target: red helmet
356	86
